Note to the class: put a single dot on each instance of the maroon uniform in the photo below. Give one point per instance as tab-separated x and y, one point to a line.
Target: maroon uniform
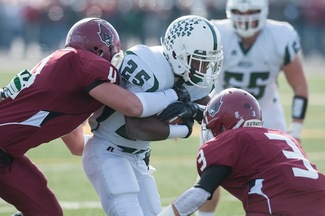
270	172
54	103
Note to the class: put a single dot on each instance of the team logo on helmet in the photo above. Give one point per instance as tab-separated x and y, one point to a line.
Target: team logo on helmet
213	110
105	34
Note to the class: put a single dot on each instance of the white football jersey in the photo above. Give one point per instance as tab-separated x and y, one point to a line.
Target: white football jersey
144	69
256	70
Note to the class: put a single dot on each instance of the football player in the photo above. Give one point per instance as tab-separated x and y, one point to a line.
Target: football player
266	169
51	101
256	50
116	158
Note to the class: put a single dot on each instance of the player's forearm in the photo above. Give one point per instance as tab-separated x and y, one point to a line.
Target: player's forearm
299	109
140	104
146	129
75	141
187	203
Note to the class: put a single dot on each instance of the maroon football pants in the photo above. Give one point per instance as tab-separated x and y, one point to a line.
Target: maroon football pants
23	185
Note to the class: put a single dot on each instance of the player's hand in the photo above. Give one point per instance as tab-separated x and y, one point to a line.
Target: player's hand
188	122
16	84
295	130
182	110
182	93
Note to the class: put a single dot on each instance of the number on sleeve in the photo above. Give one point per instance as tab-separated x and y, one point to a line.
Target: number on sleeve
201	160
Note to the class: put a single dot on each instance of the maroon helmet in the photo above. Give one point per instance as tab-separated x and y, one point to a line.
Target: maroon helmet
95	35
232	108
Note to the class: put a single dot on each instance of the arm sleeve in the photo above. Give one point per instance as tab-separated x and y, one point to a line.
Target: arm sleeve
191	200
155	102
212	177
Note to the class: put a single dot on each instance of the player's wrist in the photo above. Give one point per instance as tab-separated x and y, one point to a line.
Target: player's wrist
295	129
178	131
154	102
171	95
299	107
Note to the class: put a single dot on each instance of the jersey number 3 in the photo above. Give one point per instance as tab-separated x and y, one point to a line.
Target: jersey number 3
309	172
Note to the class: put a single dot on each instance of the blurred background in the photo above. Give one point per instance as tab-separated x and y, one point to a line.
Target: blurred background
31	29
38	27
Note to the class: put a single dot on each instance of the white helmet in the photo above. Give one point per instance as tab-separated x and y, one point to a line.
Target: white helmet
193	48
246	25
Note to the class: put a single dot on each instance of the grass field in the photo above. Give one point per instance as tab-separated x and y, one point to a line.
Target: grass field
173	159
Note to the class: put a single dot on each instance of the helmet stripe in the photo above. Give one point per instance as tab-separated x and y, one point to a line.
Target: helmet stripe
214	35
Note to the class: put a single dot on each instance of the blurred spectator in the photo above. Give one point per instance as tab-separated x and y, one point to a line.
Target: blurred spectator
314	27
140	21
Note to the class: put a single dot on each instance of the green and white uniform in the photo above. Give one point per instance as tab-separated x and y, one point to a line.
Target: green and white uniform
119	177
256	70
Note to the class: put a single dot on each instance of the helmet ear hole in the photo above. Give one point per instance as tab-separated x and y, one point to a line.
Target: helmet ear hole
222	128
97	51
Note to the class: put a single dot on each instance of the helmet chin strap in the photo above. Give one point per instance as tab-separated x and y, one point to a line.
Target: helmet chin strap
180	81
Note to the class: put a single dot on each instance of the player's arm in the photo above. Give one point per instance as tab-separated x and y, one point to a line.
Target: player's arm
75	141
155	128
163	127
17	83
295	76
193	198
152	129
203	101
140	104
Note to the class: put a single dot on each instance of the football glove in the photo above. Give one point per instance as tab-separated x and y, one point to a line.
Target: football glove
182	110
188	122
16	84
182	93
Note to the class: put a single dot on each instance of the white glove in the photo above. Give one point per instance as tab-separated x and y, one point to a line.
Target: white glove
295	130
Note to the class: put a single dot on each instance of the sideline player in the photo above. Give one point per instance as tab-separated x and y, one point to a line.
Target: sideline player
266	169
57	96
116	158
256	50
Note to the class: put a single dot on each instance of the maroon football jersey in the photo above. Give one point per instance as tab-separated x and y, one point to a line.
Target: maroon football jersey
55	100
271	173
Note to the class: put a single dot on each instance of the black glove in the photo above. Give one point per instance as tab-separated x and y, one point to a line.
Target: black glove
182	93
182	110
188	122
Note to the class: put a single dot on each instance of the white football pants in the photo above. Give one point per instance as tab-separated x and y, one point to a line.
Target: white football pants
122	181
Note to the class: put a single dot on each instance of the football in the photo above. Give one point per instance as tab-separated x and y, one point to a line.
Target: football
174	121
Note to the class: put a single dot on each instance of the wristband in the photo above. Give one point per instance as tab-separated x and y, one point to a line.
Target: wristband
295	129
299	107
177	131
